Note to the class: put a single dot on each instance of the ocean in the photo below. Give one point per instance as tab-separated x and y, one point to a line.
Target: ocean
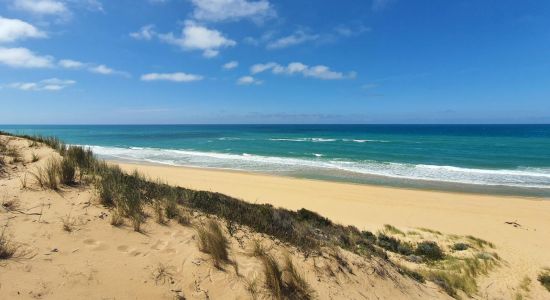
494	159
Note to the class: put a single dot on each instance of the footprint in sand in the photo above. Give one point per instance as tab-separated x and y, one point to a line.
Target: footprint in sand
122	248
95	245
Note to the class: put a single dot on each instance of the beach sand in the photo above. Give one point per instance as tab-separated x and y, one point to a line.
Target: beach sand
524	245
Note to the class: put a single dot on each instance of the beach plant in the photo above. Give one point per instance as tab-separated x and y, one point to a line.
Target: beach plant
183	217
158	210
66	171
429	250
284	282
393	230
212	241
544	278
116	219
460	246
34	157
7	247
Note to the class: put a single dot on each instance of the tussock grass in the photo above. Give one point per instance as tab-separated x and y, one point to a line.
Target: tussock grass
480	242
171	210
116	219
459	274
212	241
7	247
46	177
430	230
296	287
393	230
544	279
10	249
14	153
158	210
184	217
66	171
284	282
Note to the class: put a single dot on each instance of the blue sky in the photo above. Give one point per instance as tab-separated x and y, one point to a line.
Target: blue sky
267	61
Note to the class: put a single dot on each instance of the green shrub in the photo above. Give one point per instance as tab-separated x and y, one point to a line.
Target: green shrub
430	250
460	246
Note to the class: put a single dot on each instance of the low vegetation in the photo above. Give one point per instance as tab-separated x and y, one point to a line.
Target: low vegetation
10	249
213	242
544	278
282	282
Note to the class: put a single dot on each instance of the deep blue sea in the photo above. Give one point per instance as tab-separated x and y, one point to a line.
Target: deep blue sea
504	159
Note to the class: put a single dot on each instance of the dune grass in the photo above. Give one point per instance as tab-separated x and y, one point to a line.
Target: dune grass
10	249
212	241
282	282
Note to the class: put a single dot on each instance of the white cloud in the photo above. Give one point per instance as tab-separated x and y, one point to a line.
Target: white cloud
197	37
223	10
248	80
296	38
24	58
378	5
52	84
13	29
319	71
71	64
231	65
259	68
104	70
42	7
144	33
176	77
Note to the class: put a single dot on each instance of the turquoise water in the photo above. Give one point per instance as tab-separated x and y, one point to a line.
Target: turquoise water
508	159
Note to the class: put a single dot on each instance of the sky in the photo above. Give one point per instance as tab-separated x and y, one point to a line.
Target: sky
267	61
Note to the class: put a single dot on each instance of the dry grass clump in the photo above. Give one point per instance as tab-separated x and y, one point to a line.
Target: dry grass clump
158	210
10	249
393	230
34	157
213	242
480	242
284	282
116	219
46	176
162	274
544	278
7	247
184	217
12	204
14	153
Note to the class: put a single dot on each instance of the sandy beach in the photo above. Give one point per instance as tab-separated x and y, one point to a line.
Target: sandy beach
519	227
